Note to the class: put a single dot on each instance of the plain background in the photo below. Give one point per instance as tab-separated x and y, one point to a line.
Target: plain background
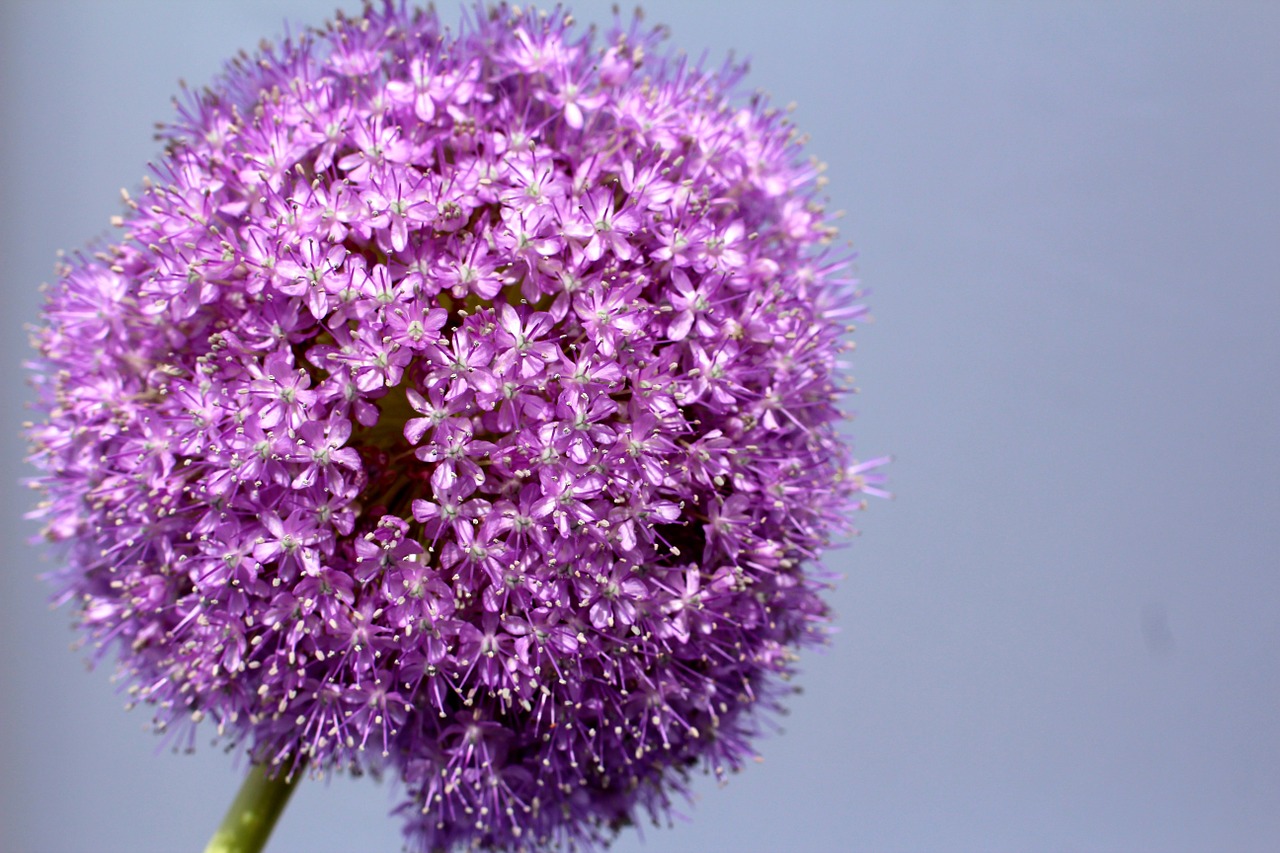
1062	634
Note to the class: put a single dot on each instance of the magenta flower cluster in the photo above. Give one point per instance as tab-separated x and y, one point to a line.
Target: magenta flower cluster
463	406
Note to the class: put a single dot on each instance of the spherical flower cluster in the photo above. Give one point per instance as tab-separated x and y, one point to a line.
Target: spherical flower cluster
462	406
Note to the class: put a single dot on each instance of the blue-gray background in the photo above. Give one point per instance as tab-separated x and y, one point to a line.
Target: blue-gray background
1062	635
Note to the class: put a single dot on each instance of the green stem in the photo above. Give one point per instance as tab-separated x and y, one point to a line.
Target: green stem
255	811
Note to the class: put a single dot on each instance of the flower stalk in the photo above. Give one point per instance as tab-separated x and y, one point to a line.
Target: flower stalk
254	812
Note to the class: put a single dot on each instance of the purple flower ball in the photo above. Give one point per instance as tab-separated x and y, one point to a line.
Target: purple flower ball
463	407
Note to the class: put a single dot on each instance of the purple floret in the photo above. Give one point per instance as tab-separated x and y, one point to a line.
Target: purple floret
460	406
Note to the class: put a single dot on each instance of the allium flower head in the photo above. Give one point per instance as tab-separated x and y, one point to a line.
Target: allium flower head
462	406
